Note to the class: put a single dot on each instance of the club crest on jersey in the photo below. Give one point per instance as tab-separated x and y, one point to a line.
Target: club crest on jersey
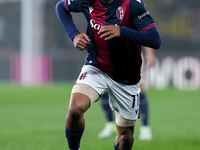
119	13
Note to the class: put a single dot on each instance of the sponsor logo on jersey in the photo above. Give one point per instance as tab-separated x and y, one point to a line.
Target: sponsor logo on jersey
119	13
143	15
95	25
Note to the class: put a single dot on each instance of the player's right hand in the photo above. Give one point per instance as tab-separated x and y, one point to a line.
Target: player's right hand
81	41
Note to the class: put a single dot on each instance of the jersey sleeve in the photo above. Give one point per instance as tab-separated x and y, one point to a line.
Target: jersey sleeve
65	19
73	5
146	33
141	17
77	5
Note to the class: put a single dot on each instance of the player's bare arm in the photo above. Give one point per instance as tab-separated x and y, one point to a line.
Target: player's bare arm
149	57
109	31
81	41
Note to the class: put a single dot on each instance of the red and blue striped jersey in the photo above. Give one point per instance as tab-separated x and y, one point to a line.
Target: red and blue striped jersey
120	58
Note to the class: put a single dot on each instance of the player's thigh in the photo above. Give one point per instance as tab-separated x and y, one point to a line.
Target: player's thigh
84	93
79	103
125	127
123	122
91	82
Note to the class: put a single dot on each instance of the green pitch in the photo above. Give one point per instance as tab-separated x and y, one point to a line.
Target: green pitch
34	119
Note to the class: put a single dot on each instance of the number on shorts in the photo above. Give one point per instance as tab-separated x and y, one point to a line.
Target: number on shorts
133	105
135	99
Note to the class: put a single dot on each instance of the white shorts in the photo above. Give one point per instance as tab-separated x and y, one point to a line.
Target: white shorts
123	98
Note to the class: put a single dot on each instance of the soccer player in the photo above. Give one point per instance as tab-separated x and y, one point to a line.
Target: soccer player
145	129
116	30
110	126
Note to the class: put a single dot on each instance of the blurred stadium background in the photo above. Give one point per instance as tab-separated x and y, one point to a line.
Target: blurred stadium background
35	50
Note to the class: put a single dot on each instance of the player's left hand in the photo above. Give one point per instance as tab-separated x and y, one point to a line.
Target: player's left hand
109	31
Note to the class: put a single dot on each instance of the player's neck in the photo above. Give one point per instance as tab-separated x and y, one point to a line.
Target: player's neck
107	1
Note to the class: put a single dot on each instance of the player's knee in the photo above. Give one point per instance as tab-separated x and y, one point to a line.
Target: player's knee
78	106
75	111
126	138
